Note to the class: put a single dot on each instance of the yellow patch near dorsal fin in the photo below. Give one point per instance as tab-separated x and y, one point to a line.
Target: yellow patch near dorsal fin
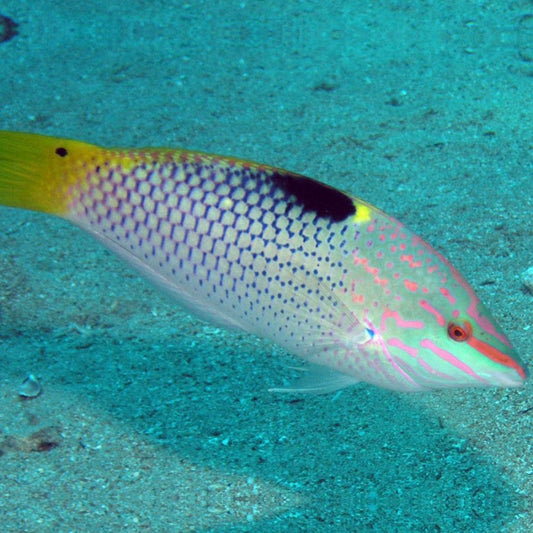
363	212
37	172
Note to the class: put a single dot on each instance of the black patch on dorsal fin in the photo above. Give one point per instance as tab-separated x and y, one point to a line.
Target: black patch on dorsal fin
314	196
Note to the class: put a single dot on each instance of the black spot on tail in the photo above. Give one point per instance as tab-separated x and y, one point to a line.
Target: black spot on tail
316	197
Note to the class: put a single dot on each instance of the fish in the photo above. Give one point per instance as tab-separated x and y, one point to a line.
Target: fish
327	276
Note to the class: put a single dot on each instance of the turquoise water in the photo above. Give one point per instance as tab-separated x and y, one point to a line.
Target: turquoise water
151	420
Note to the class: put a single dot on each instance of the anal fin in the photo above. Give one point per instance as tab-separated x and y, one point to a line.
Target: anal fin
317	380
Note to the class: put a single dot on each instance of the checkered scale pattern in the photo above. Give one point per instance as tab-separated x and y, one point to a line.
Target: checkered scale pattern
233	242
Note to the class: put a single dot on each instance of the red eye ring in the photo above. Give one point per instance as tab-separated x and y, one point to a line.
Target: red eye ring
459	332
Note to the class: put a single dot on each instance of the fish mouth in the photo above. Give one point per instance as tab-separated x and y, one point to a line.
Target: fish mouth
516	378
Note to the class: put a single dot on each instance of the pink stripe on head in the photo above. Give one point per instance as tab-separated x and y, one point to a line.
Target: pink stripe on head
397	343
450	358
446	293
385	370
484	322
400	322
424	304
413	368
473	307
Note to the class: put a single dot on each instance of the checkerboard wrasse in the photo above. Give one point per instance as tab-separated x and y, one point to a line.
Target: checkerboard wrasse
332	279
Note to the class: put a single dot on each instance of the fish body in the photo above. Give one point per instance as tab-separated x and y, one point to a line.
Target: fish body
253	247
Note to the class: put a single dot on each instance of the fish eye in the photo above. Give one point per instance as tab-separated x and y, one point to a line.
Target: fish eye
459	332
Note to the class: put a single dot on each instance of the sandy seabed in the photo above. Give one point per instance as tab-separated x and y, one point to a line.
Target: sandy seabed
151	420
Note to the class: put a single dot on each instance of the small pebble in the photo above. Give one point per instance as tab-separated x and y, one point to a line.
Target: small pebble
8	29
30	388
527	279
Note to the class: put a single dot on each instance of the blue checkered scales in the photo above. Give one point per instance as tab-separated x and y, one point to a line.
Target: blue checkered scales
244	246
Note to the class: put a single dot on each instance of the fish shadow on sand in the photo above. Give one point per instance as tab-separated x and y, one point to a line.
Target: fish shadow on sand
197	397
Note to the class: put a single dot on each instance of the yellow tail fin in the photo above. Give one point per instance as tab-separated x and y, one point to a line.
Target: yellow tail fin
36	171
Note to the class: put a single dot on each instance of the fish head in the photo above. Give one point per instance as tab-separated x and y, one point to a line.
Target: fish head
448	345
427	327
